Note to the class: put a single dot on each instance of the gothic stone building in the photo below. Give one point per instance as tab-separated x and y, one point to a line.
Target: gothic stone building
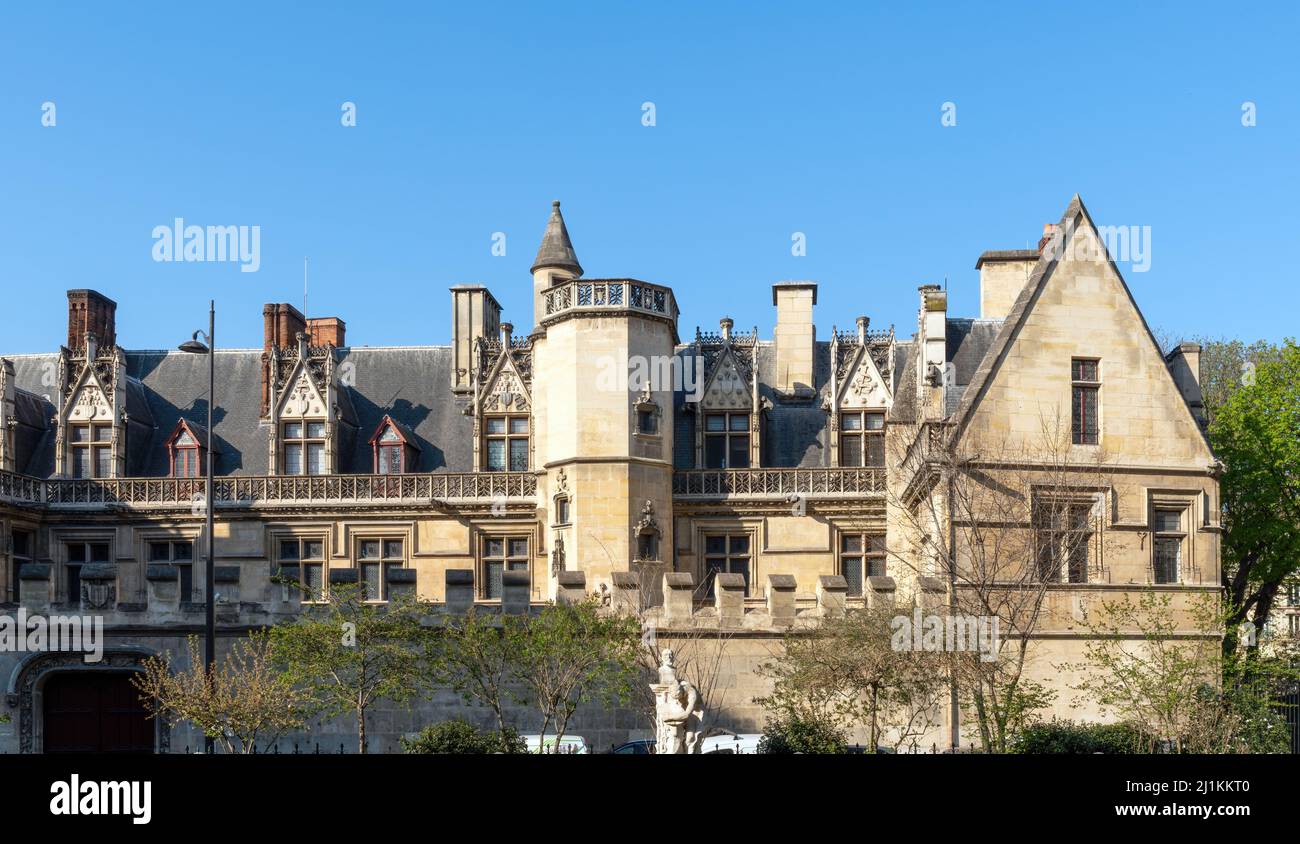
749	484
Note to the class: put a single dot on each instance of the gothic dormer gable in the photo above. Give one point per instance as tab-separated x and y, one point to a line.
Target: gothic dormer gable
304	398
864	385
727	386
504	387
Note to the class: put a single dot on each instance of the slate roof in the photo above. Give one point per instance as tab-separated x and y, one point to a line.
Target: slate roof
412	384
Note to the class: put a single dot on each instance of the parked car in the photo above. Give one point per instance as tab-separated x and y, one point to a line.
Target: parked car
731	743
568	745
640	747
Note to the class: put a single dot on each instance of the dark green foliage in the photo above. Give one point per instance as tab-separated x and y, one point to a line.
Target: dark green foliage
799	735
1064	736
462	737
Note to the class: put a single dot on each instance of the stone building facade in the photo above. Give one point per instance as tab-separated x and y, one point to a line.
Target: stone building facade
749	484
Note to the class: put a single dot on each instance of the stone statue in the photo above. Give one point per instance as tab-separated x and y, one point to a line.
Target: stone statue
677	710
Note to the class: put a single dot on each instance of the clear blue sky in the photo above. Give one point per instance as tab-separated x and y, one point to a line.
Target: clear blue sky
771	119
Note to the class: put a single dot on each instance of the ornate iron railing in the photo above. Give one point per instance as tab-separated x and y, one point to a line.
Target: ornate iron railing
251	491
777	483
609	295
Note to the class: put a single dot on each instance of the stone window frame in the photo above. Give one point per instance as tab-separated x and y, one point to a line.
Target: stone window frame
561	505
506	534
753	526
198	551
726	435
324	534
1079	385
645	404
92	445
305	442
1184	507
507	436
865	533
1065	574
14	560
60	539
864	434
384	561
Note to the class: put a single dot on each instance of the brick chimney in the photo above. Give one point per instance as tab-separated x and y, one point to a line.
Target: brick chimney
327	331
91	312
281	325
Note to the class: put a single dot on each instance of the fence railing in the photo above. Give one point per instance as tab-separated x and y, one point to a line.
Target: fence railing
778	483
250	491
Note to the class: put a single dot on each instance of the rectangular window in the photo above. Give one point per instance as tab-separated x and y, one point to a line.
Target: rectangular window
92	452
1167	547
562	510
80	554
862	439
1063	534
181	555
23	553
862	555
505	443
726	441
502	554
376	558
303	446
1085	376
726	553
647	422
390	460
309	556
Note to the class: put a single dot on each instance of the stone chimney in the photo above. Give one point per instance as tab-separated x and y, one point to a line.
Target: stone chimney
795	337
327	331
507	332
474	314
1049	231
1003	275
932	328
91	314
725	325
1184	363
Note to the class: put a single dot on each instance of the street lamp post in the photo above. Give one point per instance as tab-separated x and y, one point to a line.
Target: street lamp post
193	346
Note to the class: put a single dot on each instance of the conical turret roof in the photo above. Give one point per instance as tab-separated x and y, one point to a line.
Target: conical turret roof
556	249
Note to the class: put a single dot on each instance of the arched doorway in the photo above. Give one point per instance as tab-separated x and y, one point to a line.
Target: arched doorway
95	709
94	712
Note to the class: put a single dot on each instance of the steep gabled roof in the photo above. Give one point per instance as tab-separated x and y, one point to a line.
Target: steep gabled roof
1075	218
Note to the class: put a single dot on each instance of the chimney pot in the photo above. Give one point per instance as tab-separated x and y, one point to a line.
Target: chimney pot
863	322
507	331
726	324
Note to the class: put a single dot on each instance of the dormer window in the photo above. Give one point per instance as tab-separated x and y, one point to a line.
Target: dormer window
91	450
304	448
187	449
395	449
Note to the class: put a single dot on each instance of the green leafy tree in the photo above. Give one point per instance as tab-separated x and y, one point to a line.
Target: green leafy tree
242	701
475	654
1256	433
575	654
349	653
846	673
1182	693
